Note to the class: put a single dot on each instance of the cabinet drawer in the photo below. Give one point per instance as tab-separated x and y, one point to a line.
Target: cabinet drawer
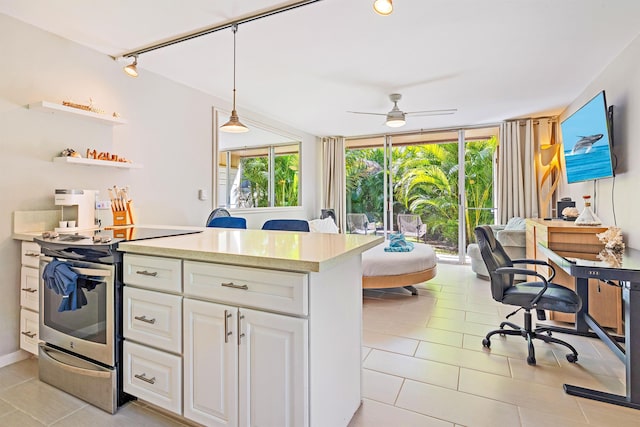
156	273
153	375
249	287
29	324
153	318
29	285
30	254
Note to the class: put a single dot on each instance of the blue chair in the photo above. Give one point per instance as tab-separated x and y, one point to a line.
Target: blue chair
228	222
286	224
216	213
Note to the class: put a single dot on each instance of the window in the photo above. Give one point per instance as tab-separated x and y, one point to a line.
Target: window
258	169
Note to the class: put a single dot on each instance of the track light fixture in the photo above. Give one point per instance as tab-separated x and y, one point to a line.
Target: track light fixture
383	7
132	69
234	125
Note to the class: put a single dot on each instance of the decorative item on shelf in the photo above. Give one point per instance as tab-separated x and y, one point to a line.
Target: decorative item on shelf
612	239
105	155
570	213
89	107
121	206
69	152
588	217
612	258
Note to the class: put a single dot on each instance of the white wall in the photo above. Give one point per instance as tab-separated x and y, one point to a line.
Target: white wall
169	130
621	81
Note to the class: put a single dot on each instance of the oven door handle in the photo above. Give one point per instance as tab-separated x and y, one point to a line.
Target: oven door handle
92	271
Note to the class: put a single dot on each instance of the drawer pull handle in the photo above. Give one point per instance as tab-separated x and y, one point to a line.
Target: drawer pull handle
34	254
234	286
28	334
144	378
147	273
145	320
227	332
30	290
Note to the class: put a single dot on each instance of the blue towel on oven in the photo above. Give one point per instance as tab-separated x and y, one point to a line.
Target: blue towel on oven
60	278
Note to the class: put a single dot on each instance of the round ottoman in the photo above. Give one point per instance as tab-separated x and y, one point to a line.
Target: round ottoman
382	269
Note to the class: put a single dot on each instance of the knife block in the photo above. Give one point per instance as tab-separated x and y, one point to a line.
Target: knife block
123	217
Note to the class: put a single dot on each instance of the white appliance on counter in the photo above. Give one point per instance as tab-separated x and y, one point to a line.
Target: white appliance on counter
78	209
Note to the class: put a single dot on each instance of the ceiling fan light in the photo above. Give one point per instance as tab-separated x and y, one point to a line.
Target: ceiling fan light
395	122
132	69
234	125
383	7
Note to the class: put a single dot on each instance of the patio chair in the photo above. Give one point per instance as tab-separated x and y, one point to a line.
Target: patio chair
358	223
411	225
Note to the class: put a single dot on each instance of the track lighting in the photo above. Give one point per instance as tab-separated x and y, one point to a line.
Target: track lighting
132	69
234	125
383	7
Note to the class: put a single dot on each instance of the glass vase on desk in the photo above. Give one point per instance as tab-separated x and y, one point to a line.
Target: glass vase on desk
587	216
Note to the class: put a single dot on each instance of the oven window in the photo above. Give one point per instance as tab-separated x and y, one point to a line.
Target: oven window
88	322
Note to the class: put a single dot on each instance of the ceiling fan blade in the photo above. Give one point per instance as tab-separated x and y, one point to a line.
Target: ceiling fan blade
433	112
373	114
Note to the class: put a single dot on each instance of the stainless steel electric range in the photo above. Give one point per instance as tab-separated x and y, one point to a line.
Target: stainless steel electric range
81	312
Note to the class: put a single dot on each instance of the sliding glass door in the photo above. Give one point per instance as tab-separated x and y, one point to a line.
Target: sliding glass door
445	178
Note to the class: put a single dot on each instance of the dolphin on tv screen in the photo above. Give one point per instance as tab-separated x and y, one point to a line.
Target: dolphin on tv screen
586	143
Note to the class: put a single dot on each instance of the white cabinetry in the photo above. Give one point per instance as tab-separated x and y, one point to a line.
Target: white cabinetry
244	367
152	327
29	296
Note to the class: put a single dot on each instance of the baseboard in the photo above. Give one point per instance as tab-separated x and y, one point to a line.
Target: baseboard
11	358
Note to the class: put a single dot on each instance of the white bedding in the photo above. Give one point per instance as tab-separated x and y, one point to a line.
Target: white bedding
377	262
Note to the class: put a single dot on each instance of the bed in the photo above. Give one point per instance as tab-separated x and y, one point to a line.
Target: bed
382	269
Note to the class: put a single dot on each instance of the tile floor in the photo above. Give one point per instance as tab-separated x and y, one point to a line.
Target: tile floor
424	365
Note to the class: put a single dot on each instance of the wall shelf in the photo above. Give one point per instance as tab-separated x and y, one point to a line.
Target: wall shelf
59	108
94	162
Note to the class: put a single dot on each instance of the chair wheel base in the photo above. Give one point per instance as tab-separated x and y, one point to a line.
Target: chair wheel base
572	358
531	360
486	343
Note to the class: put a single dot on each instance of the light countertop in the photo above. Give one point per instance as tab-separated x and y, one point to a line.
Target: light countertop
281	250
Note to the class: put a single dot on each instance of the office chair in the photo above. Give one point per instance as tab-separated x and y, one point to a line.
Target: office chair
216	213
539	295
286	224
228	222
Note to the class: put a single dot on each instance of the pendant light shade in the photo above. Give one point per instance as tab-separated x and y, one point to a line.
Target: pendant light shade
132	69
234	125
383	7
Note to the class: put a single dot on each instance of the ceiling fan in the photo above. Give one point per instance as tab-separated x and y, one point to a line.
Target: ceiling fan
396	117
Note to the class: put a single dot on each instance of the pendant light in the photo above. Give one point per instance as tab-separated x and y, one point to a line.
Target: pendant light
383	7
234	125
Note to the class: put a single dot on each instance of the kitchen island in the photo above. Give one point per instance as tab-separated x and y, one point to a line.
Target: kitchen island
246	327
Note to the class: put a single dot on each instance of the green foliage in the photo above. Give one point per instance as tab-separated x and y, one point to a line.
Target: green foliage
255	170
425	181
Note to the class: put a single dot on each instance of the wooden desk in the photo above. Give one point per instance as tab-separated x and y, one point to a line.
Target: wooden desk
628	274
570	240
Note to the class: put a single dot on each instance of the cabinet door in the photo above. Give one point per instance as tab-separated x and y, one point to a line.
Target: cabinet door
210	363
273	370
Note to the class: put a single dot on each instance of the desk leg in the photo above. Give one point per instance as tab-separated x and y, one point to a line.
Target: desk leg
582	289
631	299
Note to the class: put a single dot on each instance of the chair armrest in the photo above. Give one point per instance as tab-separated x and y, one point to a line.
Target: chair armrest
537	262
511	270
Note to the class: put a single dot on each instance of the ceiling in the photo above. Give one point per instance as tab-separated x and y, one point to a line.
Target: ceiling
491	59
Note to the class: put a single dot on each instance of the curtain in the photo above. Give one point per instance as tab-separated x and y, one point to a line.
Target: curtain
333	178
517	180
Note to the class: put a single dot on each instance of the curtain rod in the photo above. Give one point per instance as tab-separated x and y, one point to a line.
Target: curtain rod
215	28
424	131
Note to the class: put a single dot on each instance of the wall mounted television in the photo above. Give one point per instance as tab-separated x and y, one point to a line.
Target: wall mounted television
587	142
